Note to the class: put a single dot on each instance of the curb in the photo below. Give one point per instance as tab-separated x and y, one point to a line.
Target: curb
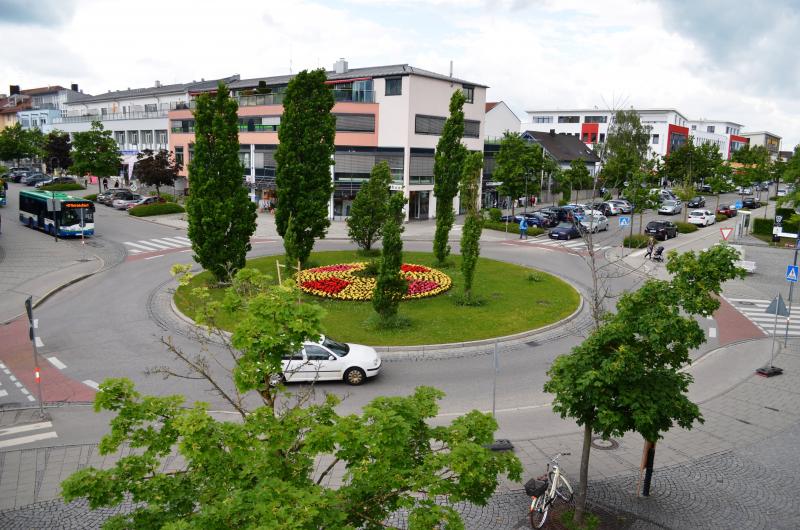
422	351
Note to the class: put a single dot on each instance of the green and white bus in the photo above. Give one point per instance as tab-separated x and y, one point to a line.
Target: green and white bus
70	213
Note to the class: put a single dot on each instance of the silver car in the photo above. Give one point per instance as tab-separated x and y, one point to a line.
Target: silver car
670	207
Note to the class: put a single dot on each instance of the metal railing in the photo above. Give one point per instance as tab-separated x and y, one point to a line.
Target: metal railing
111	117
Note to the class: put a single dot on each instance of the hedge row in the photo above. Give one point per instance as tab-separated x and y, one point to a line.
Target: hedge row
156	209
685	228
763	227
512	227
63	187
91	197
635	241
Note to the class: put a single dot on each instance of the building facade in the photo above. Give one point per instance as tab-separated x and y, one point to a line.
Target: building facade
499	120
46	106
767	139
726	135
389	113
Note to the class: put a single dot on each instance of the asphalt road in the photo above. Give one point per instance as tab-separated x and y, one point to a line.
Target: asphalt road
112	324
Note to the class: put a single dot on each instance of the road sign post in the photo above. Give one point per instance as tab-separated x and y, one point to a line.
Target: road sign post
32	334
794	270
777	307
624	221
726	233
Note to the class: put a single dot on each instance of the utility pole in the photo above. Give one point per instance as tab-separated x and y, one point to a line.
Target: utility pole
34	339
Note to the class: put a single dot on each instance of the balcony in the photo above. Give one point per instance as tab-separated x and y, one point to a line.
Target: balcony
112	117
354	96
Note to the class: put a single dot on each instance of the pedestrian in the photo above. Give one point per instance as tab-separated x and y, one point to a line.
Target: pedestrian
116	183
651	243
105	183
523	228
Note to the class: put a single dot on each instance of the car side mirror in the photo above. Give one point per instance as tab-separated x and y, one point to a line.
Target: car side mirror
331	357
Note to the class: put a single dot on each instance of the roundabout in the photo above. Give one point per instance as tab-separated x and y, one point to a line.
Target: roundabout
514	299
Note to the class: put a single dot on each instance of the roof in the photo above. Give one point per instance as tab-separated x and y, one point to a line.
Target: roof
748	134
14	104
176	88
42	90
493	104
704	120
563	147
370	71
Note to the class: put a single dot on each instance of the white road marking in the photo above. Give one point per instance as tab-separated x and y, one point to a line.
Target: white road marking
24	391
512	409
35	323
154	257
28	439
159	246
3	393
12	378
754	311
55	362
174	240
31	398
182	251
712	332
163	241
39	343
18	384
25	428
3	366
182	238
93	384
144	247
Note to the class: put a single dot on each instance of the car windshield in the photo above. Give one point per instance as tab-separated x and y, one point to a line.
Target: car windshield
669	203
697	213
653	224
338	348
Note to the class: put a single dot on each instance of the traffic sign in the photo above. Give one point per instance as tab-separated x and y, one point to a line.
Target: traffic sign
726	233
624	221
778	220
738	205
133	187
791	273
778	307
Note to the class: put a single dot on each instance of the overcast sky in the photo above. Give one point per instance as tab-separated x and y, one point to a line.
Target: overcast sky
718	59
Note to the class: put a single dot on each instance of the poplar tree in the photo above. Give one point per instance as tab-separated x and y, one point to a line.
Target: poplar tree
368	212
473	224
304	158
447	168
221	215
390	286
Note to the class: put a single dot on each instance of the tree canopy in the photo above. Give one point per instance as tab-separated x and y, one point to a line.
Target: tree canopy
517	165
94	152
57	150
221	215
627	148
473	223
17	143
156	168
304	157
369	209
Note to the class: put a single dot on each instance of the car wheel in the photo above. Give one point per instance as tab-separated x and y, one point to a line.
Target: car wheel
354	376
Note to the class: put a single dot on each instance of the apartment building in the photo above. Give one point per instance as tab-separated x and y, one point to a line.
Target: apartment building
46	105
767	139
392	113
725	134
499	120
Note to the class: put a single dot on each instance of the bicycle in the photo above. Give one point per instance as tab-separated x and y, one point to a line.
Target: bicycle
545	490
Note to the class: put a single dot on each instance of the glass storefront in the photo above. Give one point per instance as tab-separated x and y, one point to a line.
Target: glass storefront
419	205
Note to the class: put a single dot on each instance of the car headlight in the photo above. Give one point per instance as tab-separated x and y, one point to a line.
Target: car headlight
376	362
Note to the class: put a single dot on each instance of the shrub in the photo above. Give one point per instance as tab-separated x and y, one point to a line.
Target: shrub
721	217
762	227
685	228
512	228
635	241
773	198
91	197
563	202
63	187
791	224
156	209
495	214
786	213
168	197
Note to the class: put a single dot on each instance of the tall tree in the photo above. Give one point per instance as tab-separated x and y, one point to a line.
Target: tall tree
473	224
221	215
390	286
447	169
577	177
627	148
517	166
57	149
156	168
755	165
94	152
626	375
304	158
17	143
369	209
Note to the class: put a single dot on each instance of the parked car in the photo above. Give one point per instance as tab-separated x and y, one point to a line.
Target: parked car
565	230
18	175
696	202
34	178
594	223
56	180
124	201
612	208
781	192
600	206
535	219
511	218
705	188
751	203
670	208
331	360
744	190
662	230
702	218
147	200
728	210
107	197
624	206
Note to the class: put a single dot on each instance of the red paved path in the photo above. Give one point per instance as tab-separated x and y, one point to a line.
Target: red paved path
733	326
16	351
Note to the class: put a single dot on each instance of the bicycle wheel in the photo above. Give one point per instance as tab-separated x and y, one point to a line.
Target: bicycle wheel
538	513
563	488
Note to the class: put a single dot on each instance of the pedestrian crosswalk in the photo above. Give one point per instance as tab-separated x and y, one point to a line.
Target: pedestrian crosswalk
755	310
157	244
26	433
569	244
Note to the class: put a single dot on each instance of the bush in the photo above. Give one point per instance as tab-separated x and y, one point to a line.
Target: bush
168	197
791	225
721	217
685	228
786	213
156	209
495	214
635	241
91	197
63	187
563	202
762	227
513	228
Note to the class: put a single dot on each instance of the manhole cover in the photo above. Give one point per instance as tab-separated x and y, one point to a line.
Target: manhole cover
746	303
604	445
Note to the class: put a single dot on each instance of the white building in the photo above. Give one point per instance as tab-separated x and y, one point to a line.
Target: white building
725	134
500	119
767	139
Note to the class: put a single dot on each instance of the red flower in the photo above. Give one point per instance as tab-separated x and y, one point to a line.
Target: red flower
413	268
326	285
421	286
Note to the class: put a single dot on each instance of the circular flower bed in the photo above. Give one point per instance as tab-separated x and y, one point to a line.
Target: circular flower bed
342	281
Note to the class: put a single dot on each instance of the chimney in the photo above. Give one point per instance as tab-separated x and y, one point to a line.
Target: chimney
340	66
158	83
74	87
552	132
13	90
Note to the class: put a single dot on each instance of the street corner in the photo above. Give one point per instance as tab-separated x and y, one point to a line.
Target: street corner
733	323
18	374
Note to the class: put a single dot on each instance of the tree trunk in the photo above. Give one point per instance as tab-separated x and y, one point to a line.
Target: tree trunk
583	479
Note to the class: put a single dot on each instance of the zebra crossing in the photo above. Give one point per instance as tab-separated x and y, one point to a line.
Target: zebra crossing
157	244
568	244
26	433
755	309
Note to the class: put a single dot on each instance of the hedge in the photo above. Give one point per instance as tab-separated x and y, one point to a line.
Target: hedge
63	187
91	197
762	227
786	213
495	214
685	228
721	217
513	228
156	209
636	241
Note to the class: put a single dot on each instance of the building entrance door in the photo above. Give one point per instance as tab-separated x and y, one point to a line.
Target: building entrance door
418	204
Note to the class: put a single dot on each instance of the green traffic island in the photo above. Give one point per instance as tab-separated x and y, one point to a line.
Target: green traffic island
511	228
62	187
163	208
514	299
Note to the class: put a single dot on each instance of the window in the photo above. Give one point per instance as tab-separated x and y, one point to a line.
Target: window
421	168
147	137
542	119
182	126
355	122
586	137
569	119
394	86
161	137
469	93
602	137
710	129
43	119
316	353
133	137
25	123
150	107
179	154
119	136
472	129
297	356
428	124
655	139
594	138
694	127
595	119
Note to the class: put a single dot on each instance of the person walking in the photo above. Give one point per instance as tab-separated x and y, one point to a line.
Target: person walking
105	184
523	228
651	243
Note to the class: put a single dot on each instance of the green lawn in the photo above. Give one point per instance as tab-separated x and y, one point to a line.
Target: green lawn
513	303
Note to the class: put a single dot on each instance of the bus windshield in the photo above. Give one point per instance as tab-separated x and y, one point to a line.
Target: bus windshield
72	216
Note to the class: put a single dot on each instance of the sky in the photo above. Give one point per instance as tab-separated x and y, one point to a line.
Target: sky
715	59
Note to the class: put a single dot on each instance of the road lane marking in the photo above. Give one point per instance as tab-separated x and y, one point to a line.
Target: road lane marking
154	257
55	362
144	247
159	246
12	378
25	428
3	393
163	241
24	391
174	240
39	343
712	332
181	238
31	398
93	384
512	409
28	439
